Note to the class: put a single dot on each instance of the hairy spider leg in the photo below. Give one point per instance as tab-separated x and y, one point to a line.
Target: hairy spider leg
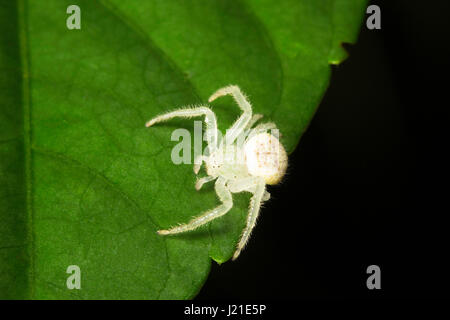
246	184
200	182
210	120
260	128
265	126
255	206
227	202
198	161
241	123
253	120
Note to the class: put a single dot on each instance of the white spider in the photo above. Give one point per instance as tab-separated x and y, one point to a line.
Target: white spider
264	161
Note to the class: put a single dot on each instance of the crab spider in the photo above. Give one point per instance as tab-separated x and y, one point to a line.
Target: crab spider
264	161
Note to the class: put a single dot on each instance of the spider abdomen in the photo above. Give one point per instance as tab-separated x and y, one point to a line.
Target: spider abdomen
265	157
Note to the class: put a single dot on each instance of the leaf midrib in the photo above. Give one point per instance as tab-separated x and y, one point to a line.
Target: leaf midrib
27	132
26	105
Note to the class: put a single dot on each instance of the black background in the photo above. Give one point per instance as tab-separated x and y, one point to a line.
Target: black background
368	183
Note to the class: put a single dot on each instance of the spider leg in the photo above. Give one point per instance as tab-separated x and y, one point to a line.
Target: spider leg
202	181
198	161
253	120
266	196
246	184
264	127
210	120
255	205
241	123
227	202
243	184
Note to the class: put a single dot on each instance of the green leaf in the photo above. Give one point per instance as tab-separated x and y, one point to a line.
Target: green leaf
84	183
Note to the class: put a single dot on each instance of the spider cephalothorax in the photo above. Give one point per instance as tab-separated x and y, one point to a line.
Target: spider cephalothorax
246	159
